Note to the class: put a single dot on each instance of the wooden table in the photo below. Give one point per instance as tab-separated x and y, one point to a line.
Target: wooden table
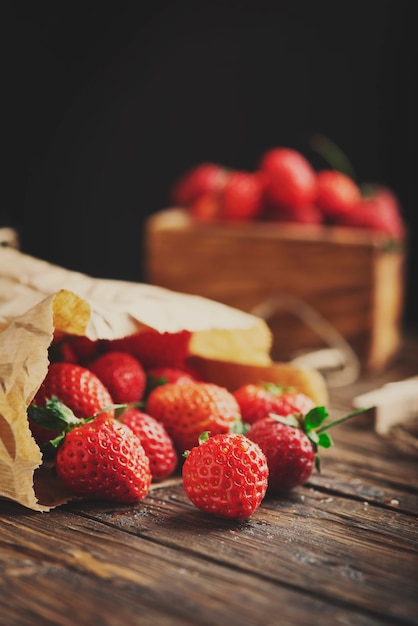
343	549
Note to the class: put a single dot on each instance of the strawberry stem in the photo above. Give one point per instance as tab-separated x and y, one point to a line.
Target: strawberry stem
341	419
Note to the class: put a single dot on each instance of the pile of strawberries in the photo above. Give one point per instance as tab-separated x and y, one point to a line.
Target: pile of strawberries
286	188
114	416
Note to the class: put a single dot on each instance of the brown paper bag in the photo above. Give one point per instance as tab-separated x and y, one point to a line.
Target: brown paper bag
40	302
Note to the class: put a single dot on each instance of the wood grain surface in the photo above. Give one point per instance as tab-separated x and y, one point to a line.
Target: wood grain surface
348	276
341	550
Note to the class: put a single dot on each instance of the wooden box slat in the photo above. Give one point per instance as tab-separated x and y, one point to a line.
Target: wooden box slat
350	277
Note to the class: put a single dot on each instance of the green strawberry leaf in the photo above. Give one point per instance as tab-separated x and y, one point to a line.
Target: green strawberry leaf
204	437
313	437
238	427
50	446
324	440
53	416
314	418
273	388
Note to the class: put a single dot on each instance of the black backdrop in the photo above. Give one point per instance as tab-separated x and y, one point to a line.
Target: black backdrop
107	103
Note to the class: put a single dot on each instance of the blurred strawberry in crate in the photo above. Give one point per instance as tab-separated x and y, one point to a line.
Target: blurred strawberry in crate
204	178
379	210
286	188
240	198
337	194
291	180
301	214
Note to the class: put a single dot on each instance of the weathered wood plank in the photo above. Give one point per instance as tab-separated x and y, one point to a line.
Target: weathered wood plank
324	548
90	572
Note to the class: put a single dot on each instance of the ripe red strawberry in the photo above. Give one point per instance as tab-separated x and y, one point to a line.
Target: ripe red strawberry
122	374
242	196
154	349
226	476
74	349
164	375
205	208
157	376
197	181
155	440
301	214
257	401
103	459
187	410
337	193
291	443
291	180
77	387
378	211
290	455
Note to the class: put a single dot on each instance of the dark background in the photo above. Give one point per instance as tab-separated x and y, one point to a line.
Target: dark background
105	104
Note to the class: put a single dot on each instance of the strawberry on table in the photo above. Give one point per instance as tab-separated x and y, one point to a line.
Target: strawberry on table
77	387
291	443
97	457
290	455
122	374
157	376
155	440
256	401
164	375
154	349
225	475
186	410
74	349
104	459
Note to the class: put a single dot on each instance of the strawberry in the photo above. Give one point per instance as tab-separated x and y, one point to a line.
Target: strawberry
290	445
242	196
164	375
154	349
155	440
256	401
291	180
337	193
104	459
197	181
85	349
290	455
186	410
122	374
77	387
205	208
379	210
226	476
157	376
301	214
74	349
97	457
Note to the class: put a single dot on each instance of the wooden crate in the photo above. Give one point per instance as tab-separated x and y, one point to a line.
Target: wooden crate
352	280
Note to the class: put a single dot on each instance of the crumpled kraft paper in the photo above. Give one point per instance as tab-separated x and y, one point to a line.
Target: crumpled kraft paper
40	302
